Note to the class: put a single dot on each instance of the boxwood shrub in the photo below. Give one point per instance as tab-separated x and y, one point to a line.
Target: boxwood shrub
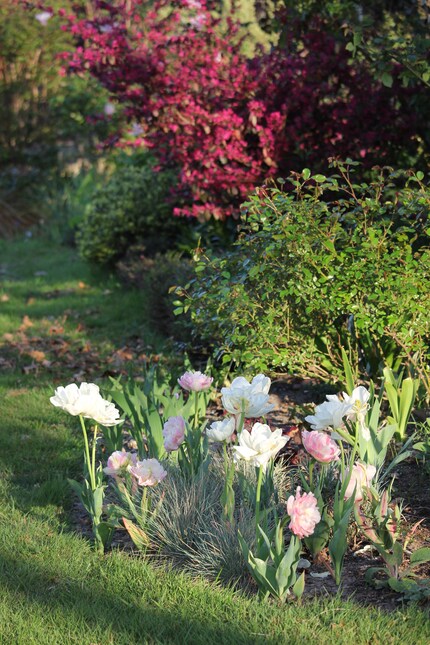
132	206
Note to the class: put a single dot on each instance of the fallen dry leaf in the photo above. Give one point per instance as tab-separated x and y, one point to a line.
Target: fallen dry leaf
37	355
56	329
4	297
31	300
26	323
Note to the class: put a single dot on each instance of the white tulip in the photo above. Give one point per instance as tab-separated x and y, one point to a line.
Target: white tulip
358	403
329	414
332	412
260	445
252	399
221	430
87	402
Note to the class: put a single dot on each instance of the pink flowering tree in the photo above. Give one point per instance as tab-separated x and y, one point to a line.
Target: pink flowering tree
224	121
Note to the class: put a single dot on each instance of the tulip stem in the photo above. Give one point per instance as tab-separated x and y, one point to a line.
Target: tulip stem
224	449
93	460
321	477
311	474
87	453
346	436
257	501
144	503
241	420
342	461
196	410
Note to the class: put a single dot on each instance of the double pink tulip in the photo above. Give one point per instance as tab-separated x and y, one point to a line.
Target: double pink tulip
195	381
320	446
304	513
173	433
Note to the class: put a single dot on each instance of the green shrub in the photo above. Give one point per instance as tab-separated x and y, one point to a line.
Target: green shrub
132	207
323	264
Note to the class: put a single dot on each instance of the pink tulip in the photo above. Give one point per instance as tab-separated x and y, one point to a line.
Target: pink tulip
304	513
173	433
119	463
361	477
320	446
195	381
148	472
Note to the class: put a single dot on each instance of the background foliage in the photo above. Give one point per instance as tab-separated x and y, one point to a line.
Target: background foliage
321	263
226	119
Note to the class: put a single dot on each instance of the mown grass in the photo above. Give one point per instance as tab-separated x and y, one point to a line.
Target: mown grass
51	286
54	588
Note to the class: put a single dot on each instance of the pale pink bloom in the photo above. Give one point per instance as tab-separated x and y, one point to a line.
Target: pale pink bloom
304	513
43	17
320	446
148	472
252	399
173	433
260	445
195	381
221	430
119	463
87	402
109	109
361	477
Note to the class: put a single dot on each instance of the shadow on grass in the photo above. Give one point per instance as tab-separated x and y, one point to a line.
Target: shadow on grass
130	621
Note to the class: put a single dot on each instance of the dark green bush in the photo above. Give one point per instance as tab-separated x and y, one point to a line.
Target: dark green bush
131	207
322	264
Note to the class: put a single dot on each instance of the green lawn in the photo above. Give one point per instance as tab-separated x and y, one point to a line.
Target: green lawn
54	588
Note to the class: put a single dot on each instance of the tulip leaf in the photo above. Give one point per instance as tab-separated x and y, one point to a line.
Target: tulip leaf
320	536
98	496
244	547
285	572
138	536
105	531
299	586
349	377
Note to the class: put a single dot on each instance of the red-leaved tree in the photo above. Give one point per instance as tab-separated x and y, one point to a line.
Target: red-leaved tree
225	121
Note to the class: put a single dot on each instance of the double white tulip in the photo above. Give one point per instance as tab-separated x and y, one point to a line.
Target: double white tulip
260	445
331	413
86	401
249	399
221	430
